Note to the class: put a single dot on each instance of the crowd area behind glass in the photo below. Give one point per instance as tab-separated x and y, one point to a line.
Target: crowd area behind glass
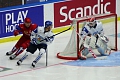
9	3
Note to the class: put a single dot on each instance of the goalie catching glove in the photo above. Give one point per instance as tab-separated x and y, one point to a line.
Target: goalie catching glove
104	39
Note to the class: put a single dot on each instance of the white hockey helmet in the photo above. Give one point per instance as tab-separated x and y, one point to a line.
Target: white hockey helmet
92	21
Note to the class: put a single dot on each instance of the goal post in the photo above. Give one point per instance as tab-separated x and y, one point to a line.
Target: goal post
71	51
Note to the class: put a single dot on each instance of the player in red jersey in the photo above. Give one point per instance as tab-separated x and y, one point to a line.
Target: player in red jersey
26	28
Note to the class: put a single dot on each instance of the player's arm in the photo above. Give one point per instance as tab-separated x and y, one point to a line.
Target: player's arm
33	36
49	37
84	32
17	30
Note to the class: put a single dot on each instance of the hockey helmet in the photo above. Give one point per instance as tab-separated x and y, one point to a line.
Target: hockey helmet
48	23
92	21
27	20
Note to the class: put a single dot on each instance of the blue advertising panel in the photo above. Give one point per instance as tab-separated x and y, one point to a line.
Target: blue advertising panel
11	19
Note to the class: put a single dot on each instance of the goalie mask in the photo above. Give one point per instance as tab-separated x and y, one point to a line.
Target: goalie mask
91	22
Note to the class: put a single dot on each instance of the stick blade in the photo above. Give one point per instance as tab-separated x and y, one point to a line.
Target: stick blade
101	58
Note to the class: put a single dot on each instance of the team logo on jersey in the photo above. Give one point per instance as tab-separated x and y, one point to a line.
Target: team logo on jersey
27	32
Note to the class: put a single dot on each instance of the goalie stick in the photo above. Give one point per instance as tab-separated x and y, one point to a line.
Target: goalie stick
95	57
90	50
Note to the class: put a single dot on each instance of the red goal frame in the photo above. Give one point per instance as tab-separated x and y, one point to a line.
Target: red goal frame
79	20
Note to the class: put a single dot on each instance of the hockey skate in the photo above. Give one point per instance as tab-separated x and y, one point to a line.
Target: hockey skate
9	53
82	57
12	57
108	50
33	64
19	62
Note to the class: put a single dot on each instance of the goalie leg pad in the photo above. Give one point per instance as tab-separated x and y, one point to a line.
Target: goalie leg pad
85	51
102	47
102	51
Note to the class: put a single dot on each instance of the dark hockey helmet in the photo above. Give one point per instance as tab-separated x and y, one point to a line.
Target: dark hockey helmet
48	23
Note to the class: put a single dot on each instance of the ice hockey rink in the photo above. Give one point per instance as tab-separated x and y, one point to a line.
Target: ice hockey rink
58	69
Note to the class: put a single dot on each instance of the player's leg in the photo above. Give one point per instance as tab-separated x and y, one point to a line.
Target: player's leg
42	49
30	50
103	50
22	47
17	46
82	53
14	49
84	48
85	51
102	47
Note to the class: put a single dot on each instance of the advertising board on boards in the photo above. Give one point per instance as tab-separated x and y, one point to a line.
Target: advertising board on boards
11	19
65	12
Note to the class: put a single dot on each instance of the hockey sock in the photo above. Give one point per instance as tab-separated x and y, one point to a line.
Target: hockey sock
20	50
14	49
42	51
24	57
38	58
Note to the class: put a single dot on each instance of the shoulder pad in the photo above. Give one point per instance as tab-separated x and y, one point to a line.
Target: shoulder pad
34	26
40	29
99	23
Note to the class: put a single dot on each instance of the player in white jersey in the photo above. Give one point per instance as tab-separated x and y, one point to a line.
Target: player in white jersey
93	38
40	38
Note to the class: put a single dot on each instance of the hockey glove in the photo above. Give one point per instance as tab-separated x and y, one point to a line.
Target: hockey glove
105	39
34	41
16	32
49	39
95	33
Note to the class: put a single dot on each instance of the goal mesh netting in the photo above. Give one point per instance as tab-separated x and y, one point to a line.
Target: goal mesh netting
109	21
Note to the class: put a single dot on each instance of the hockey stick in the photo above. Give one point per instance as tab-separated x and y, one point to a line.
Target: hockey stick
58	33
95	57
63	31
53	36
93	54
46	57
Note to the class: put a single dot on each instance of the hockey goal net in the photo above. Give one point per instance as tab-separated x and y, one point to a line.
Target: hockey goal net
109	21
